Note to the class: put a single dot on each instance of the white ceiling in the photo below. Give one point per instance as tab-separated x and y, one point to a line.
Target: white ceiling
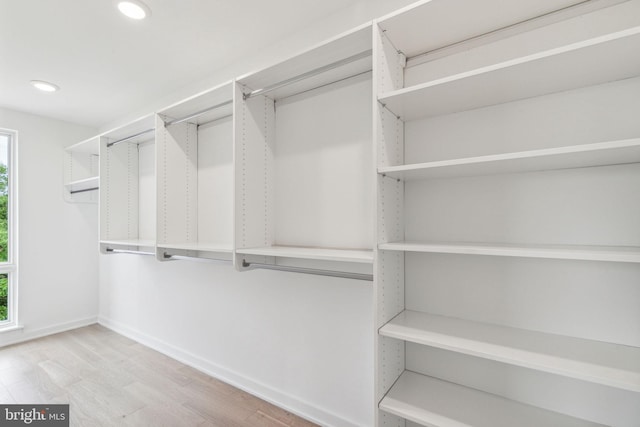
105	63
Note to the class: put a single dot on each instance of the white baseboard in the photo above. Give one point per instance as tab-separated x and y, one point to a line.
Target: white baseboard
21	334
277	397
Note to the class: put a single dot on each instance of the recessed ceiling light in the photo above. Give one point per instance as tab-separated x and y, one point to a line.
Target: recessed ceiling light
44	86
134	9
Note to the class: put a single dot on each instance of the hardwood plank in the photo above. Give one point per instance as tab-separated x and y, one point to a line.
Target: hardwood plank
110	380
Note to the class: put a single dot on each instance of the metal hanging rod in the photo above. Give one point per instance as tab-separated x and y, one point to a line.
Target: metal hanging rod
84	190
126	251
130	137
199	113
303	76
314	271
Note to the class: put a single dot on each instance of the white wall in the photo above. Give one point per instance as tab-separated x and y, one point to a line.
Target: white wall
302	342
58	253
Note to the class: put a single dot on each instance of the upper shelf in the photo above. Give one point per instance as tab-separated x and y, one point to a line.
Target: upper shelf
323	254
198	246
199	109
575	252
594	61
609	364
83	184
432	24
577	156
142	126
325	63
436	403
88	146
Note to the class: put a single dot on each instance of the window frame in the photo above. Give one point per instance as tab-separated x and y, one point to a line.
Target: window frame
10	267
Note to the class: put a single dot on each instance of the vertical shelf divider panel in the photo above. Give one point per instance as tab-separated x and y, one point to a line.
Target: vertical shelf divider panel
389	292
127	196
477	317
195	177
303	161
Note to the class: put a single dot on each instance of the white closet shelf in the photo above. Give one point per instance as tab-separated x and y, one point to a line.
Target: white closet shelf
591	62
89	146
83	184
575	252
198	246
131	242
576	156
324	254
432	402
609	364
431	21
300	70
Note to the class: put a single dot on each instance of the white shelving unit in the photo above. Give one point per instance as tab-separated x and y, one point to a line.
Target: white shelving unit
81	180
508	165
303	159
195	176
128	188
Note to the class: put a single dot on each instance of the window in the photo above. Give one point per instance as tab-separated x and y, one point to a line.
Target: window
8	315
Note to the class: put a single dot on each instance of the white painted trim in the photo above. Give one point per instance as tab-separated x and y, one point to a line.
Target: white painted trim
276	397
22	333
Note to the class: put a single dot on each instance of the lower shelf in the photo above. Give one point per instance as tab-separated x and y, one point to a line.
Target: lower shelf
82	185
323	254
131	242
198	246
575	252
609	364
436	403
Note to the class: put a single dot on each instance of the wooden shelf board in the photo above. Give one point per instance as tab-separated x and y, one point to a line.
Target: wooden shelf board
83	184
577	156
432	402
609	364
594	61
198	246
428	25
574	252
325	254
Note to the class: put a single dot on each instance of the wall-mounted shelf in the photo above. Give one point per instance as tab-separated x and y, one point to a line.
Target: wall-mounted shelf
143	243
434	403
609	364
81	171
81	185
321	254
598	60
575	252
576	156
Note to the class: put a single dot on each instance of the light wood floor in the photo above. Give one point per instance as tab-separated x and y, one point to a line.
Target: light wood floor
110	380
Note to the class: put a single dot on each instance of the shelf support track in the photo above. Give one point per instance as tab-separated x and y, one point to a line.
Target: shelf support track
303	270
198	113
303	76
128	138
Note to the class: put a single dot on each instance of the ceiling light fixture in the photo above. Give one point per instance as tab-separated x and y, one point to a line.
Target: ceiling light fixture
134	9
44	86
